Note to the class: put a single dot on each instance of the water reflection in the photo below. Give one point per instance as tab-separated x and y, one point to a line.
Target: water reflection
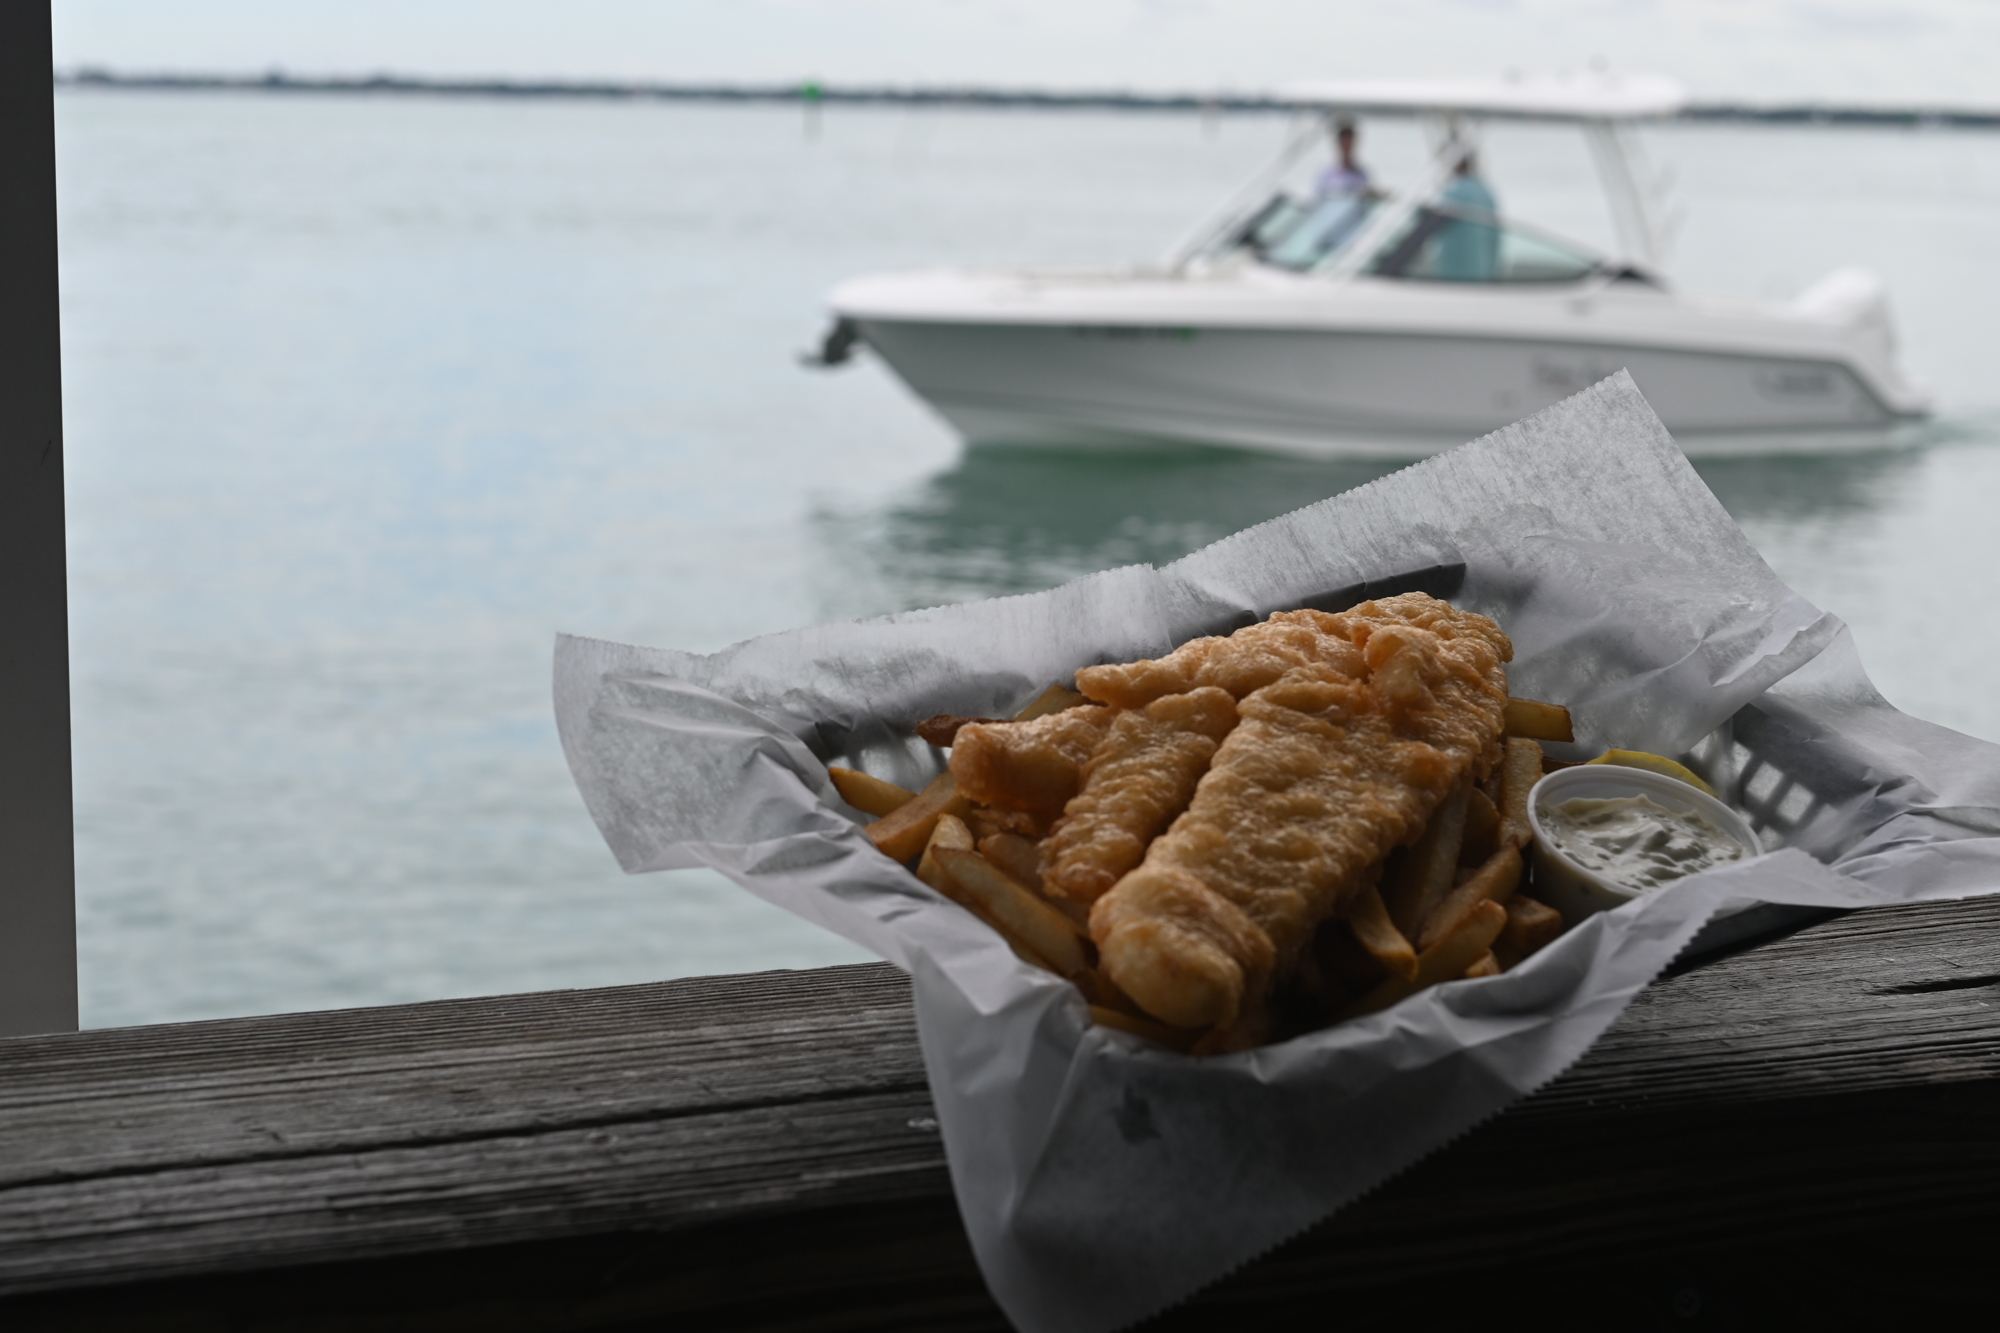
1802	488
1011	520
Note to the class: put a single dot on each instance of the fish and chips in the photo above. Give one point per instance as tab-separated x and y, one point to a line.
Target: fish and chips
1257	834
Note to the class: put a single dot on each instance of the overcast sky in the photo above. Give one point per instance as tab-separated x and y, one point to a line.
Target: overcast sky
1939	52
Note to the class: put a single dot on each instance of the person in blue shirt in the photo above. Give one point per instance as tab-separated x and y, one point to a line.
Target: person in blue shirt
1469	244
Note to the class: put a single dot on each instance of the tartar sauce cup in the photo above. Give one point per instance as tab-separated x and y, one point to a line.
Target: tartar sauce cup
1576	890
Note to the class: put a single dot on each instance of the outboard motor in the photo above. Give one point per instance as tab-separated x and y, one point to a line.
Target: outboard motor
837	348
1854	299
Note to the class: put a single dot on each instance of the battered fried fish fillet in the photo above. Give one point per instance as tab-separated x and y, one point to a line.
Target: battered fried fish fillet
1335	762
1256	655
1247	660
1033	766
1140	776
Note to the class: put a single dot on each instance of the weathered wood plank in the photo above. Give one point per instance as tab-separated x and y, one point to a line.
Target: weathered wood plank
454	1072
887	1267
661	1174
1876	999
1839	1083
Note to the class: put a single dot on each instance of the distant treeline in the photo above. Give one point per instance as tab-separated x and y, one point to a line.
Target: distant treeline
812	94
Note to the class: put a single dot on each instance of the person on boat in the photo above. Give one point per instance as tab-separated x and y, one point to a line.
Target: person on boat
1469	243
1346	177
1341	199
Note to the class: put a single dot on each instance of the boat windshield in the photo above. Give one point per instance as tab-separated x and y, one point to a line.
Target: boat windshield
1317	232
1297	234
1440	243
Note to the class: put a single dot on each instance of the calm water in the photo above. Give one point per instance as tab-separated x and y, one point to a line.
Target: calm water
368	398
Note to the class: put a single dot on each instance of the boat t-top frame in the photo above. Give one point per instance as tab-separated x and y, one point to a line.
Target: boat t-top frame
1603	105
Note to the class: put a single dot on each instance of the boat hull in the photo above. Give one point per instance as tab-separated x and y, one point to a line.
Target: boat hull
1348	392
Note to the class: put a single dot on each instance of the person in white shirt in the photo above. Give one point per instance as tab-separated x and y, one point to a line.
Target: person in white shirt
1341	200
1346	177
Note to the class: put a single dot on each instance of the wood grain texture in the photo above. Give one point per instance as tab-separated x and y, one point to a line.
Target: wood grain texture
757	1152
183	1095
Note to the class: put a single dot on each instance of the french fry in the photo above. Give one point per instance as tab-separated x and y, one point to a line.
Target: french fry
1538	721
943	729
1015	910
1077	912
1486	966
902	833
1530	925
1021	951
1520	771
1493	882
1423	877
1023	859
1368	919
871	796
1052	700
1444	961
934	875
1020	857
951	834
1482	829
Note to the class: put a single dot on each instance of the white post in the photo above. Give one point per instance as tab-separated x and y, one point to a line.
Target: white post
37	854
1630	195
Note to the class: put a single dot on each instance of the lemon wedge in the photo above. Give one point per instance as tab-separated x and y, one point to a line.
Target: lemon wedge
1653	763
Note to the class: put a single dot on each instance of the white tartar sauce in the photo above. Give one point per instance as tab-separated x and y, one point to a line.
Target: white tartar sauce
1636	842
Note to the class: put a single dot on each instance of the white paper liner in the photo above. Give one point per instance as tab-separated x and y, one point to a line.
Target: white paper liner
1102	1179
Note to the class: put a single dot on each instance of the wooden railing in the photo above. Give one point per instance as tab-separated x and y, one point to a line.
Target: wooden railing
1806	1126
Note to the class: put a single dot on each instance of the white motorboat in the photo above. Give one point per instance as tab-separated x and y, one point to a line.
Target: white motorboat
1390	323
